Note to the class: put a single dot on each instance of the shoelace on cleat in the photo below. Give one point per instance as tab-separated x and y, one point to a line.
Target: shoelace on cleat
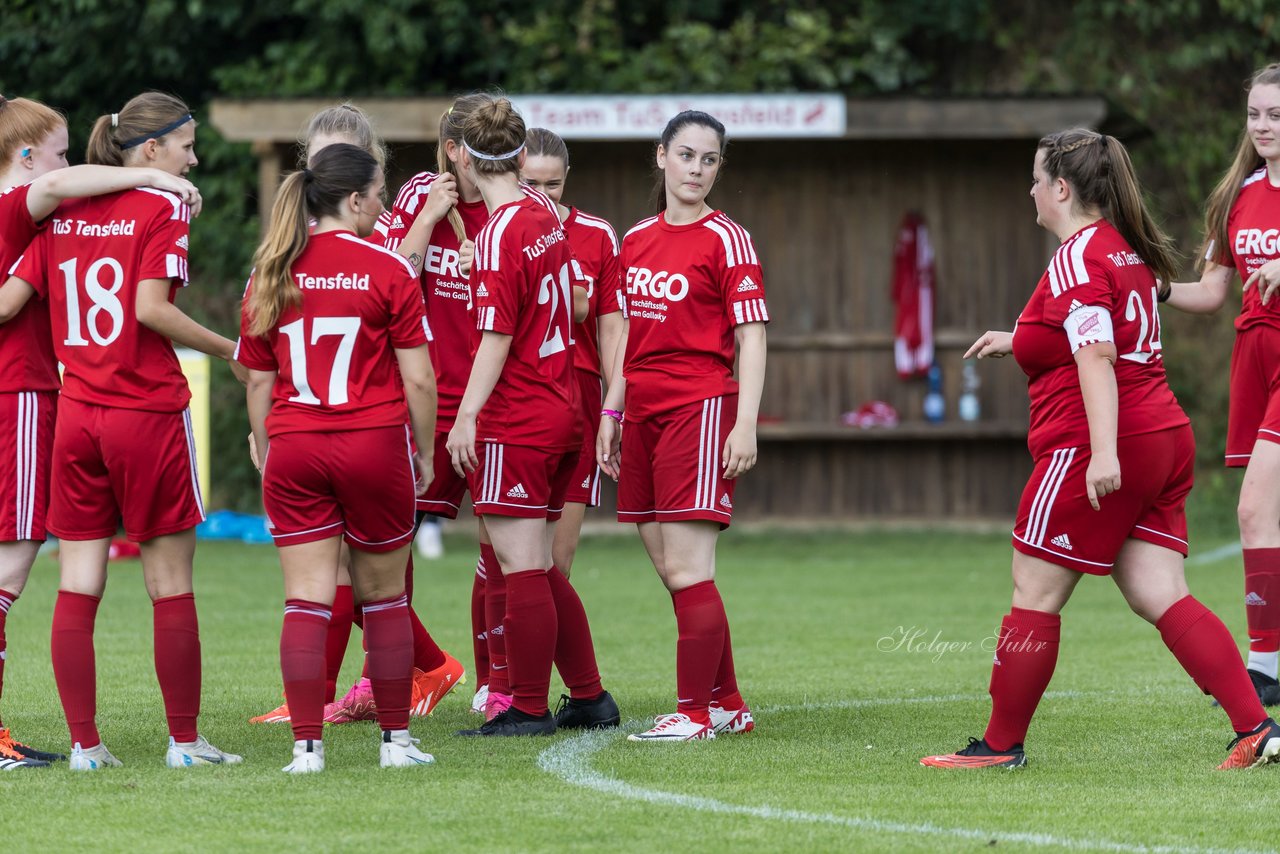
562	704
972	748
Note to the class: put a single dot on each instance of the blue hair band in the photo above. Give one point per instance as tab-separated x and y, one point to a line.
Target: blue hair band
155	134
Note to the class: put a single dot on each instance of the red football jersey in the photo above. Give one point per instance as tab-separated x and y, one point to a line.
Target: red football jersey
688	287
26	341
1253	226
1095	289
334	352
88	263
522	286
443	286
595	246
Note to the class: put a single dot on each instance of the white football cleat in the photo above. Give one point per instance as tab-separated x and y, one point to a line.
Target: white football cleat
308	757
675	727
480	699
399	750
428	542
728	721
93	759
188	754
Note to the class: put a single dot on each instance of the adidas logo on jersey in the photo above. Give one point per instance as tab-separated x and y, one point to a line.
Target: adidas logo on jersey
747	284
481	291
517	491
725	502
397	223
1252	598
1075	303
182	243
1062	541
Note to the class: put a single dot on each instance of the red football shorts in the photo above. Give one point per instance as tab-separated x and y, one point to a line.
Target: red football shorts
516	480
1254	412
26	449
444	495
584	486
672	468
1056	522
113	466
357	484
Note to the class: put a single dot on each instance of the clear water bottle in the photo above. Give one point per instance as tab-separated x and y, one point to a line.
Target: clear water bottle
935	405
968	408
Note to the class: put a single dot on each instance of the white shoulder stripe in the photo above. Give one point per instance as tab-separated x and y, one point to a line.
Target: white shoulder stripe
596	222
730	249
410	195
490	240
180	209
639	226
404	262
1067	269
1255	177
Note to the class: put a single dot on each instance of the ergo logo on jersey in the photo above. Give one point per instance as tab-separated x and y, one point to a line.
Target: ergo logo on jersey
442	262
641	281
1255	241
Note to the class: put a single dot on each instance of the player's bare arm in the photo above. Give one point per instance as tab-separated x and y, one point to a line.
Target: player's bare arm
1205	296
740	449
1095	364
490	358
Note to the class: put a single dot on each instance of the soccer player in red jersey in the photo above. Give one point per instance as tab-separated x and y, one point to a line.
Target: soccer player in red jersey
1242	236
110	267
436	672
694	291
34	179
328	319
516	433
1114	453
433	223
595	342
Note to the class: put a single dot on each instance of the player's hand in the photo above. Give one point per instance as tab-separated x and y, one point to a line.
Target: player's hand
461	445
992	345
180	187
1101	478
426	473
1267	278
609	446
739	455
253	454
466	254
442	197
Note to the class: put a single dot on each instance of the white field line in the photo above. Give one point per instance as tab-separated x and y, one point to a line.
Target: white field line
570	760
1215	555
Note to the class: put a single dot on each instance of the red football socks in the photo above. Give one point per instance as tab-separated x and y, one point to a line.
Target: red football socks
6	602
700	624
1262	599
427	654
530	625
725	689
1204	648
575	655
1026	654
71	648
335	642
487	563
177	654
303	641
495	612
390	640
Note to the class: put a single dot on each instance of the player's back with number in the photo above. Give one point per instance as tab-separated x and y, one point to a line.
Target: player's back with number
89	263
335	369
1095	284
522	286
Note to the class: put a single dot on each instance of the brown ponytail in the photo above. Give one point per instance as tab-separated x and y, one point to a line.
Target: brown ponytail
451	123
338	171
1217	244
1101	175
151	115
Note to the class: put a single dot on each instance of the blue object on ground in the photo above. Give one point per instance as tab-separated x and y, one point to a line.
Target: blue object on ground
229	525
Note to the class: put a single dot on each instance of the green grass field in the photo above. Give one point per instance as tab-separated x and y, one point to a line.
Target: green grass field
1121	754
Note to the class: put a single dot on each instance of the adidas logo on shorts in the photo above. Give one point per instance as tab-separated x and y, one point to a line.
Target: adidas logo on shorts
517	491
725	502
1062	541
586	482
182	242
482	291
1252	598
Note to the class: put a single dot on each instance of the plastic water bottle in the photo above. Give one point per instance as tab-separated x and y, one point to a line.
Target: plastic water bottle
968	408
935	405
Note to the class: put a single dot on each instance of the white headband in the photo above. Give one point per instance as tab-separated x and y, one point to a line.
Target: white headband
483	156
